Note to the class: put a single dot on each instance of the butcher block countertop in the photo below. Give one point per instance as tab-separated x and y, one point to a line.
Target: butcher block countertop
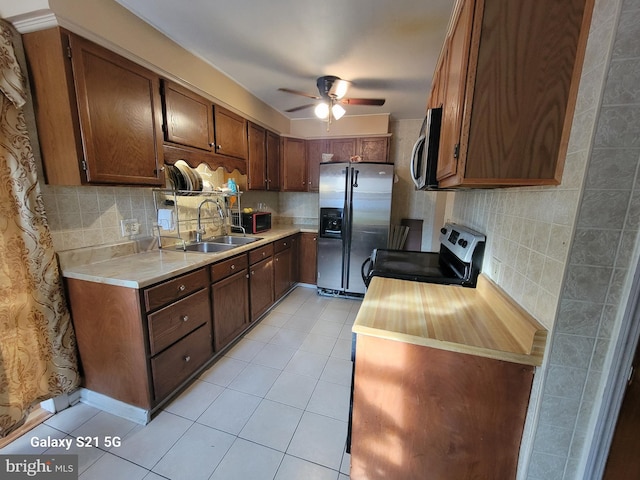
481	321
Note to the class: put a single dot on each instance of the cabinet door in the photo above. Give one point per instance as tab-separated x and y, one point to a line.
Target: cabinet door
315	149
257	160
230	133
230	308
188	117
307	258
120	115
294	168
273	161
261	287
282	273
343	149
454	83
374	149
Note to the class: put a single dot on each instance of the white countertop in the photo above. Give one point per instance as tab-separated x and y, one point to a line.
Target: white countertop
138	270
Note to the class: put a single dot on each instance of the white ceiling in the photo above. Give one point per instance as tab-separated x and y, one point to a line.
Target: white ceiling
387	48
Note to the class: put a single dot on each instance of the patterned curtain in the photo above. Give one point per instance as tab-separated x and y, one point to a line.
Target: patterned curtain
37	344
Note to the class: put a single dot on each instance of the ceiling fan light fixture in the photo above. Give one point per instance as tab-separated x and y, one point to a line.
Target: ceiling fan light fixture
322	110
337	111
339	88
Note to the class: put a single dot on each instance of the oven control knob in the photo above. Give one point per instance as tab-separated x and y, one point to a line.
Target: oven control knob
463	243
443	231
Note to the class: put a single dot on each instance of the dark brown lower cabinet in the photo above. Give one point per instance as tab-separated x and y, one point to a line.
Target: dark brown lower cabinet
230	299
261	287
421	412
282	272
138	346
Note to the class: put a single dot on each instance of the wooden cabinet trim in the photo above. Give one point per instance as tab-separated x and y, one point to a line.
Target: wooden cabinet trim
112	348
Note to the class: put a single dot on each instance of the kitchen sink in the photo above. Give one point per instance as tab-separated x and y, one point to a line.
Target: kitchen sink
233	240
207	247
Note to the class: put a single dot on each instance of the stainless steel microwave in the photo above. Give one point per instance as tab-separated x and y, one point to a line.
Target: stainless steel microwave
424	156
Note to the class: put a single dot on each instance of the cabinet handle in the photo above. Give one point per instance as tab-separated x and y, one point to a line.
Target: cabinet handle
284	243
264	254
185	318
247	275
187	358
182	288
253	272
212	144
233	267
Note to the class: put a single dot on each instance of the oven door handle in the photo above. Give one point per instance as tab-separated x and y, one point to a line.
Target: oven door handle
365	277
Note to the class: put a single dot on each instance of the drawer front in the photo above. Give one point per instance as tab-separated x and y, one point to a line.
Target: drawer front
174	289
225	268
260	253
176	364
173	322
283	244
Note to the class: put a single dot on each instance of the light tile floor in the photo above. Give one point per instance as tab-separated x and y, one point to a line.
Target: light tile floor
274	407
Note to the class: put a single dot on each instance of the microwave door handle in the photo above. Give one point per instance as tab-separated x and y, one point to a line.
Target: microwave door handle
415	174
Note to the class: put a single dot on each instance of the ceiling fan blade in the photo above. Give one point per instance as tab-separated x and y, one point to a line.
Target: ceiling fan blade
298	92
302	107
363	101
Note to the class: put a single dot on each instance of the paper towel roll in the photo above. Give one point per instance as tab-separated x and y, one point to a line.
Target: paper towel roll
165	218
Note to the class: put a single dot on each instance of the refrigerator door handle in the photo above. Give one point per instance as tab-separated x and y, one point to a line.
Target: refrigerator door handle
355	179
351	175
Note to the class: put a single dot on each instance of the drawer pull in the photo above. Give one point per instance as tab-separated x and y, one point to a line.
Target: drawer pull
253	272
264	254
185	318
187	358
233	267
285	244
182	287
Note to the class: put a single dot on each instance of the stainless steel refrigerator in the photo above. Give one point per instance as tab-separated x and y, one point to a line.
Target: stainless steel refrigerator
355	210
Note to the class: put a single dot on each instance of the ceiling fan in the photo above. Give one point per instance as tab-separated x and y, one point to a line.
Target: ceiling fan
332	91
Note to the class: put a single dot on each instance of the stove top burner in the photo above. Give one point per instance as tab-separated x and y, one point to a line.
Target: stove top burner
457	263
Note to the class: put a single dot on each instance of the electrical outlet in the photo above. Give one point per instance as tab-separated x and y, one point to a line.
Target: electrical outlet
129	227
495	268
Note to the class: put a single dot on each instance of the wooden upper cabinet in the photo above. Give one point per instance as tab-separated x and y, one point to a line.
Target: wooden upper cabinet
263	169
454	65
257	158
315	149
294	166
373	149
343	149
230	133
188	118
98	114
508	77
273	161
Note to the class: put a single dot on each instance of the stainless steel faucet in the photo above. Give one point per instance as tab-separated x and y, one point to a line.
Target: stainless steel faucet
199	229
